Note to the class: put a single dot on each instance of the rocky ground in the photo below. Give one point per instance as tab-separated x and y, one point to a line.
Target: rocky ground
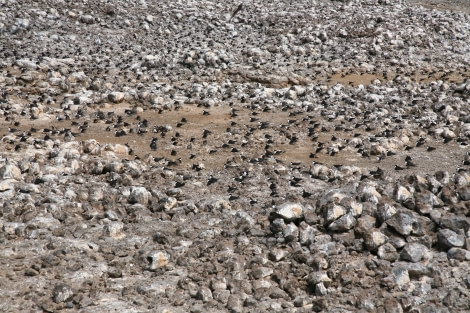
296	156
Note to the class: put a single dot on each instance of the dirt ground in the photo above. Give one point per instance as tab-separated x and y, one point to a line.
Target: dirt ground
457	6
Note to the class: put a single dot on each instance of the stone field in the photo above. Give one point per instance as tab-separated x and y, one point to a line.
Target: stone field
252	156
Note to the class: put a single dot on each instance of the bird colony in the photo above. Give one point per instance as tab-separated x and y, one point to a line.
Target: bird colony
219	156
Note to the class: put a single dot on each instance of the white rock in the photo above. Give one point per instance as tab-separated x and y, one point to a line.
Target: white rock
26	63
169	203
291	232
262	272
114	230
116	97
403	194
315	278
261	283
7	184
374	239
43	222
10	171
333	213
11	228
204	294
448	239
218	204
413	252
459	254
117	148
139	195
158	259
307	234
385	211
320	289
344	223
149	18
448	134
387	252
92	147
87	19
352	206
290	211
400	276
368	193
278	254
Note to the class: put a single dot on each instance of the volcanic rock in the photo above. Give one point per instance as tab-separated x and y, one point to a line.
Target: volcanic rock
448	239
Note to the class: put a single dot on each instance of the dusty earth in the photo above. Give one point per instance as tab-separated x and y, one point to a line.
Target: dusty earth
456	6
295	156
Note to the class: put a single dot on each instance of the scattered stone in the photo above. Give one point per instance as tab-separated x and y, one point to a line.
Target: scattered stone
319	305
400	277
277	255
204	294
87	19
315	278
344	223
392	306
406	223
403	194
385	211
364	224
320	290
374	239
221	296
139	195
235	303
158	158
464	193
158	259
456	223
62	293
262	272
114	272
387	252
306	234
278	225
459	254
364	302
9	170
290	211
333	213
291	232
116	97
31	272
448	134
214	205
449	196
114	230
413	252
448	239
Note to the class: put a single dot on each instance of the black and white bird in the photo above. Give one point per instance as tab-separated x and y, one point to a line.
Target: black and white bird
399	168
211	180
153	144
409	162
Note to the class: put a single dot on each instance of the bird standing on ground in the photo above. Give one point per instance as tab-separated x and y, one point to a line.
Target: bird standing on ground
153	144
409	162
381	156
211	180
399	168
